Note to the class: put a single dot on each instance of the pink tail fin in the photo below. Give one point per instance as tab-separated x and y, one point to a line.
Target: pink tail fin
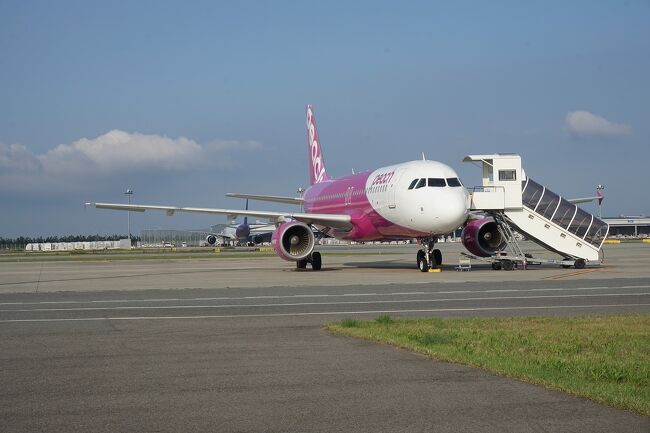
317	172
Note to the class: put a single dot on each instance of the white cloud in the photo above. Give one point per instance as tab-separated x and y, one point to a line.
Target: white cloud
122	151
584	123
17	158
111	154
222	145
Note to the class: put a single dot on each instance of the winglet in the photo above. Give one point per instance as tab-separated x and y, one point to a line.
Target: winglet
317	172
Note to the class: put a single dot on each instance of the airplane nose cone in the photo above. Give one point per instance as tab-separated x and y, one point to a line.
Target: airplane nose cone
454	211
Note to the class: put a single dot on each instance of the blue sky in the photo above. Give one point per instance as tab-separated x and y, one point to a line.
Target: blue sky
185	101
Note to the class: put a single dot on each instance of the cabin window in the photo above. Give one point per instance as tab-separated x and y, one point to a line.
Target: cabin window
437	182
453	181
421	183
412	185
507	174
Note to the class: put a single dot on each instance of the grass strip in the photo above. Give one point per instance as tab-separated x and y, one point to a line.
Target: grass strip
603	358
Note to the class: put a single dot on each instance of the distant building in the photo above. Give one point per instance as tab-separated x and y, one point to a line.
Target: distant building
629	226
178	238
72	246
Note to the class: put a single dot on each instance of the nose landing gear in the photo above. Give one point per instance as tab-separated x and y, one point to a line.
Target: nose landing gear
428	257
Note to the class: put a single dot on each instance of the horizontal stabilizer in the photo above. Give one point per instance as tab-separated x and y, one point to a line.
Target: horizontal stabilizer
582	200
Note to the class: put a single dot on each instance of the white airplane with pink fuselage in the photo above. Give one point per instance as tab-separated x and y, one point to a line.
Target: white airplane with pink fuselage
416	199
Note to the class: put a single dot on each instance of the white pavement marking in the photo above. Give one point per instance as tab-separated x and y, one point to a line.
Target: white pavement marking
310	304
322	295
324	313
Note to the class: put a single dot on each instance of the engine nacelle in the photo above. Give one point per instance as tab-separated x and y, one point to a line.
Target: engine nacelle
211	239
482	237
261	238
293	241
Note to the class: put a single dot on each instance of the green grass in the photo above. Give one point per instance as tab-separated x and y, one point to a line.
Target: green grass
604	358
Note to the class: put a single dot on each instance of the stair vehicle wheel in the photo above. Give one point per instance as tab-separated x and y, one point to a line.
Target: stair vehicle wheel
496	266
301	264
422	262
508	265
437	257
566	259
580	264
316	261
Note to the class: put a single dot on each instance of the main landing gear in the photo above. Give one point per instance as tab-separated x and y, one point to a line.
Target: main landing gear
315	260
428	257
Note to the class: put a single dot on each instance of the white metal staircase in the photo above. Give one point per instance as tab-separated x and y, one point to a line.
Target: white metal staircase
535	211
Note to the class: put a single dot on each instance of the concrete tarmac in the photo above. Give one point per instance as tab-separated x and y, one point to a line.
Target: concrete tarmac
236	346
342	266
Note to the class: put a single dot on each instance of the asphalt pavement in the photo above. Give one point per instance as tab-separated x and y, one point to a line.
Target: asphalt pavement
257	359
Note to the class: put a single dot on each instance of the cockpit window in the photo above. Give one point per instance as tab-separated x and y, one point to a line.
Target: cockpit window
421	183
453	181
412	185
436	181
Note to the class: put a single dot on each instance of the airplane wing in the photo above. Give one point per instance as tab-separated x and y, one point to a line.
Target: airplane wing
273	198
339	221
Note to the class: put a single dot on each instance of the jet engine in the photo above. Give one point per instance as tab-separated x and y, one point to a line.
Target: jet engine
261	238
293	241
211	239
482	237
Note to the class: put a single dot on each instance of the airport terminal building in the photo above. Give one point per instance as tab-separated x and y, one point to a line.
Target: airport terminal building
628	226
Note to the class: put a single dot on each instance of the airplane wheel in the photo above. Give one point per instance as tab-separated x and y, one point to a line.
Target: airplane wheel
580	264
422	261
508	265
437	257
496	266
316	261
301	264
420	256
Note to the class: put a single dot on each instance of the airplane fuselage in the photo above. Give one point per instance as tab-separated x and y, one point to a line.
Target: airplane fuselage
383	207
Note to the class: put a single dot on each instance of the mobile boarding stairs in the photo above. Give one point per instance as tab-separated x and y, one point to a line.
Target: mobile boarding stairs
518	203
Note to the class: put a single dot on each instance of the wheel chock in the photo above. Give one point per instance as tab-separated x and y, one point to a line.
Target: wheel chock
435	270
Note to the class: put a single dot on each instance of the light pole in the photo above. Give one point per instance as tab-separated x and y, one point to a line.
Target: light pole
301	191
129	193
599	188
